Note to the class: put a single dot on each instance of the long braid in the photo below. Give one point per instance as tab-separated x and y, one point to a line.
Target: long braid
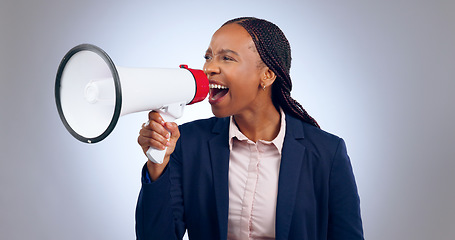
275	51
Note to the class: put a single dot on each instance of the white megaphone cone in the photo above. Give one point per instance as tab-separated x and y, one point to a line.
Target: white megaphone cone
91	93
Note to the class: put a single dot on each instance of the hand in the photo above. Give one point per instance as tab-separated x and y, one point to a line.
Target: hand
155	133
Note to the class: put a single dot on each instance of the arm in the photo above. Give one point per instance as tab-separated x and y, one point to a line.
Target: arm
154	211
159	210
344	203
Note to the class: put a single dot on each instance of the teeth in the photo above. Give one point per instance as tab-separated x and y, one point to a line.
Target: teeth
217	86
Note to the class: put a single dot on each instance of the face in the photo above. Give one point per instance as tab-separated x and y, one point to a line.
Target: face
234	73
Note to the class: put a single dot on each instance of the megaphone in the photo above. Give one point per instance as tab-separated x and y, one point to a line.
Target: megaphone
91	93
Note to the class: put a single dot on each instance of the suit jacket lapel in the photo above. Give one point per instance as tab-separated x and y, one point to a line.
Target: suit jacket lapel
219	157
291	163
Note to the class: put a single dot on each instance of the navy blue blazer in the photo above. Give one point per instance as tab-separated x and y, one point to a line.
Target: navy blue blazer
317	194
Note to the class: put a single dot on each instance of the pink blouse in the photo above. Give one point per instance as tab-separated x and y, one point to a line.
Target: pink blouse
253	184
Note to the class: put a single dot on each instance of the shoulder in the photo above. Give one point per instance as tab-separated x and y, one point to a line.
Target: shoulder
300	129
313	138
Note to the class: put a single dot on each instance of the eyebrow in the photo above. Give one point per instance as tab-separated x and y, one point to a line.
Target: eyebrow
224	51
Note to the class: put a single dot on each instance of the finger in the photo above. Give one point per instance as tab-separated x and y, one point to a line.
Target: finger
146	124
155	126
155	131
173	128
146	143
147	133
155	116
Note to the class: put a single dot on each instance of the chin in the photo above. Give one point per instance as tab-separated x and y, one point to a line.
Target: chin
219	113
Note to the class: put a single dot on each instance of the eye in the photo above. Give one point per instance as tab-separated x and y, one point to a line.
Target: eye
227	58
207	57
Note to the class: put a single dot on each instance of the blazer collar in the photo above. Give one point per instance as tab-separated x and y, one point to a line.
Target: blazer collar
292	158
219	157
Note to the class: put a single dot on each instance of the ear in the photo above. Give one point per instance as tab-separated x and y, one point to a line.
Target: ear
268	77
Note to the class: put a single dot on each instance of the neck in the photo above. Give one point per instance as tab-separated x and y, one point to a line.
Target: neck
263	124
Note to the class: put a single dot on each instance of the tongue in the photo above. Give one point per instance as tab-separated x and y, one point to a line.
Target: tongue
216	94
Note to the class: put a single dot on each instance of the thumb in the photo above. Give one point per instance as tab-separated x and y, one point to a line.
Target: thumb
173	128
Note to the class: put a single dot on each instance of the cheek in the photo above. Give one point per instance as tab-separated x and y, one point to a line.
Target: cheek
244	88
246	80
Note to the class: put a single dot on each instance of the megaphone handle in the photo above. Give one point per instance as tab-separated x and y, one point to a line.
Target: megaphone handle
156	155
169	115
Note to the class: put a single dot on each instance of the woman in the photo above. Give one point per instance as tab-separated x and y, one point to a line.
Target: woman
261	168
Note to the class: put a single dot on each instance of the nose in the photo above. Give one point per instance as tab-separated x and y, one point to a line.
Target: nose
211	68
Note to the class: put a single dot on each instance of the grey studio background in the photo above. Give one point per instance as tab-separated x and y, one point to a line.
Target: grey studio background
377	73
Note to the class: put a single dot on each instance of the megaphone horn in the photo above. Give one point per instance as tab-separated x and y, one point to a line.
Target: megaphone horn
91	93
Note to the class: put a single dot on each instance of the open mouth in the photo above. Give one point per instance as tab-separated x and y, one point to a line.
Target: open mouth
217	91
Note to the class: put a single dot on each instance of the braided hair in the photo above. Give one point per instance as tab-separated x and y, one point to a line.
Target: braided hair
275	52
